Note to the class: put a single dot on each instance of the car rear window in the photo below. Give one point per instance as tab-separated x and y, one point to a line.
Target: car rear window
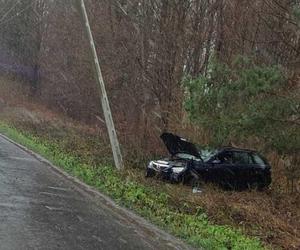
258	160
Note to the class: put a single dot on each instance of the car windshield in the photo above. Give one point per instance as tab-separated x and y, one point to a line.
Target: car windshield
186	156
206	154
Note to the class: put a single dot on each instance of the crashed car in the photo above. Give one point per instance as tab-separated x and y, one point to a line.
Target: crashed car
228	167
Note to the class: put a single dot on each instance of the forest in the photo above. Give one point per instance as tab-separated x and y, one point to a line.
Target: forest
220	72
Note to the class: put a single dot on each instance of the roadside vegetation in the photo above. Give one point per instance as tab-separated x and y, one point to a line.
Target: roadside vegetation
245	101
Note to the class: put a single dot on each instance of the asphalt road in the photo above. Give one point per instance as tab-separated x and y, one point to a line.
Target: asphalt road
40	208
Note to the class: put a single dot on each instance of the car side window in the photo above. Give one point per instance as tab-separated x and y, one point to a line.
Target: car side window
225	158
231	157
242	158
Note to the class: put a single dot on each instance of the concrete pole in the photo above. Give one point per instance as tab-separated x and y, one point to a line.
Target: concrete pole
101	86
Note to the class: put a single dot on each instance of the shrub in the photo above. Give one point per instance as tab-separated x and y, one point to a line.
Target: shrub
245	100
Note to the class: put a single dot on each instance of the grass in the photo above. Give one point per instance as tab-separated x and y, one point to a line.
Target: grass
193	227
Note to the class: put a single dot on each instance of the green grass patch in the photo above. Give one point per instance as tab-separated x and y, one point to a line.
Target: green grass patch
194	228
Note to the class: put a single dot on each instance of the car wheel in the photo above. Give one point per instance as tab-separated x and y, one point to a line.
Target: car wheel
257	186
196	183
194	180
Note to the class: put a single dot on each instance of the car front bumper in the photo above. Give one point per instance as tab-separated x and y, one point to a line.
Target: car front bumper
165	171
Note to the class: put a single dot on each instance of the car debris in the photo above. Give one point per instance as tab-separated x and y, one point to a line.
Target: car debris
197	190
228	167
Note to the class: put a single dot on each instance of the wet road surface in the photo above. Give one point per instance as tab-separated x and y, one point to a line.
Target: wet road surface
42	209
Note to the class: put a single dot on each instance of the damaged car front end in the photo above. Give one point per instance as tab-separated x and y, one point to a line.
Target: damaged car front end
184	155
172	170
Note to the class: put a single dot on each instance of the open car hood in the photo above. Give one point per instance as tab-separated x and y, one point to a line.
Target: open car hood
176	144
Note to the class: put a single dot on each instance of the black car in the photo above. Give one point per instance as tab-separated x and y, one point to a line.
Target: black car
228	167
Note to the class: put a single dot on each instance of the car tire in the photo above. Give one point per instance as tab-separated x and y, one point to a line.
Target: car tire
193	180
196	183
257	186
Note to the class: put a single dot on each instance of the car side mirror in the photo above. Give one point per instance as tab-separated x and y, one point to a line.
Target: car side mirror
216	162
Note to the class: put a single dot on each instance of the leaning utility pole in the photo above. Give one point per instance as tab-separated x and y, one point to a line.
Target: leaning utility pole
101	86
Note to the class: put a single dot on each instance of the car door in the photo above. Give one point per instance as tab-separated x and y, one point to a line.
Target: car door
223	169
260	171
243	168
